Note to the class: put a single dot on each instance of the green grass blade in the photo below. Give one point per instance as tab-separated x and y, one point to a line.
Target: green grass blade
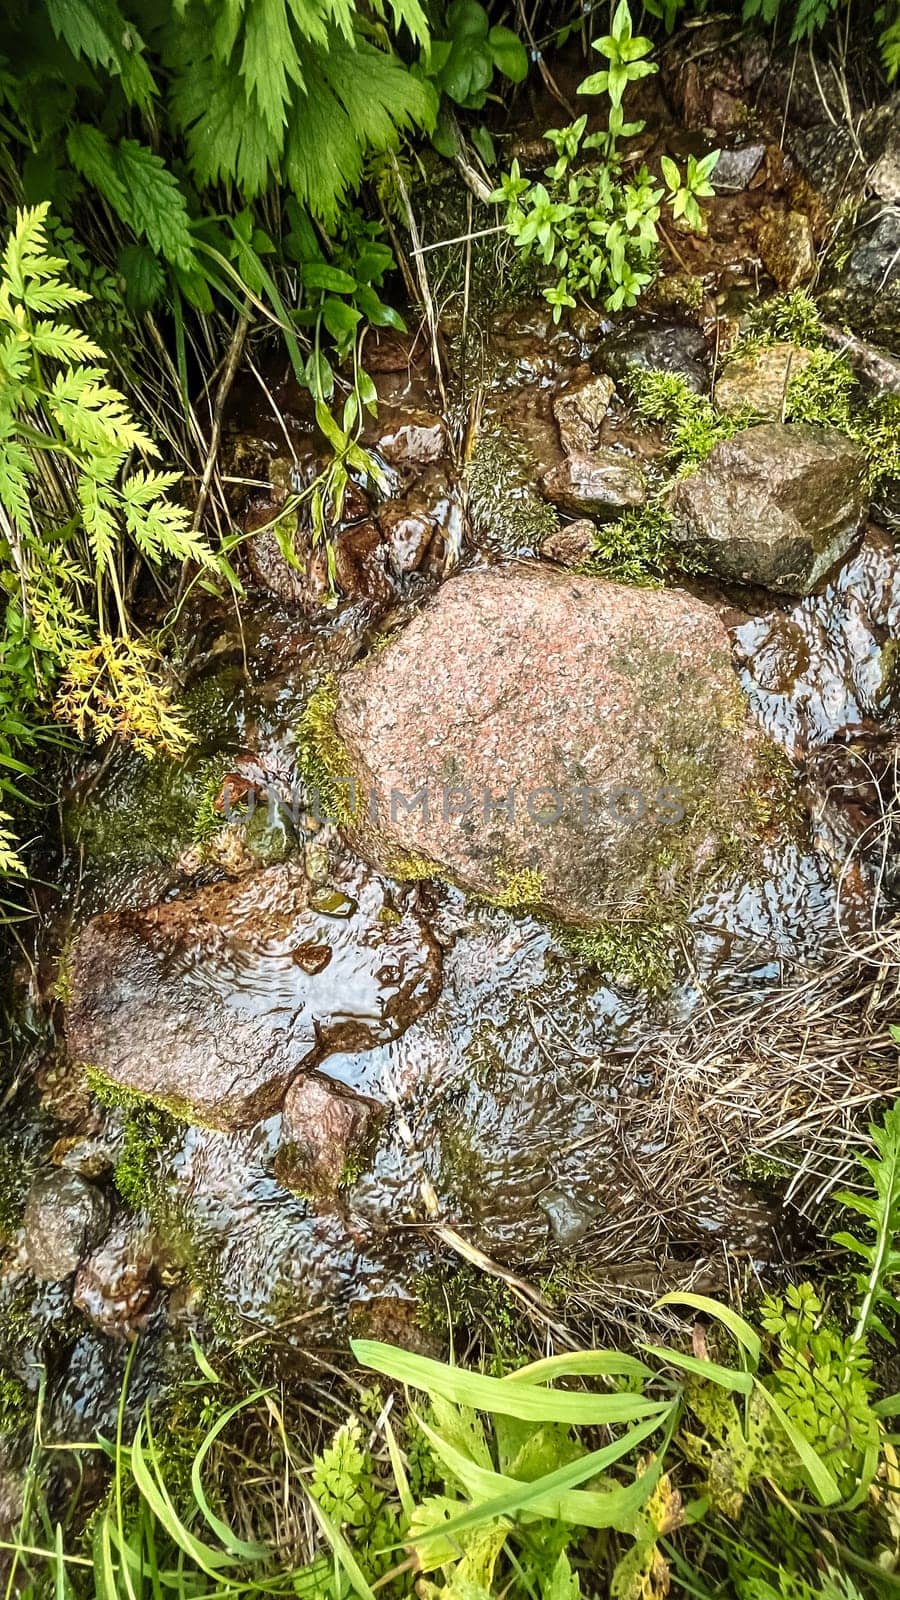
528	1402
725	1377
822	1481
342	1552
578	1364
737	1327
230	1541
210	1561
552	1496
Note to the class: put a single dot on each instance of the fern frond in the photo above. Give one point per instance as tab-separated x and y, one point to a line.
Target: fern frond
62	343
10	862
15	471
53	296
98	510
880	1212
94	416
156	207
26	244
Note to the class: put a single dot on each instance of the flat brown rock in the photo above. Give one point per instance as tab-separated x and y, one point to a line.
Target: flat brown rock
611	713
213	1003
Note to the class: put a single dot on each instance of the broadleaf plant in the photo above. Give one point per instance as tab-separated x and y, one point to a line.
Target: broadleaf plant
595	229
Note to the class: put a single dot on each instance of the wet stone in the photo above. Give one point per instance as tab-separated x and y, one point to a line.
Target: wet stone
579	410
601	484
412	439
65	1216
201	1005
326	1130
583	698
777	505
570	544
663	346
760	381
787	248
735	167
115	1286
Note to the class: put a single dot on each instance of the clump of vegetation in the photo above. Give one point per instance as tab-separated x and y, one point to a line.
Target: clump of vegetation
322	760
458	1300
692	424
752	1458
517	889
593	226
638	953
638	547
145	1135
504	504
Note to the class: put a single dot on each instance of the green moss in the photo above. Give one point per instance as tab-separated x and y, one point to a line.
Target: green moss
118	1097
504	503
411	868
137	1173
821	394
516	889
877	430
787	318
456	1298
637	953
638	548
692	424
322	761
14	1180
16	1405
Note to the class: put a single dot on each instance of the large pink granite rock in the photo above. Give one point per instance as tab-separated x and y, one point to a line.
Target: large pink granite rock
565	741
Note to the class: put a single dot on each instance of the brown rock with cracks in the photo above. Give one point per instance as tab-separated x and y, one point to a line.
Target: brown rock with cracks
601	484
776	505
326	1130
579	410
201	1004
536	725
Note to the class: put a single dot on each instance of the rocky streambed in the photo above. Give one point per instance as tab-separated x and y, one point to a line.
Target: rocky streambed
477	901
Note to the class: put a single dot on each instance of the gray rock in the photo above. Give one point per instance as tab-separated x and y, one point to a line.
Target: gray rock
866	292
775	505
541	718
601	484
664	346
326	1130
211	1004
571	544
65	1217
735	167
875	367
579	410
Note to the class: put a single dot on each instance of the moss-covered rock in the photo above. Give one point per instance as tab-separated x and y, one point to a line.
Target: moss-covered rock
557	741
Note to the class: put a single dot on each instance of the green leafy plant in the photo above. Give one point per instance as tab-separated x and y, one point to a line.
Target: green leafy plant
464	57
592	227
71	506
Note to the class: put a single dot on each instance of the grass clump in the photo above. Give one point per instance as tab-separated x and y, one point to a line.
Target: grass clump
749	1455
